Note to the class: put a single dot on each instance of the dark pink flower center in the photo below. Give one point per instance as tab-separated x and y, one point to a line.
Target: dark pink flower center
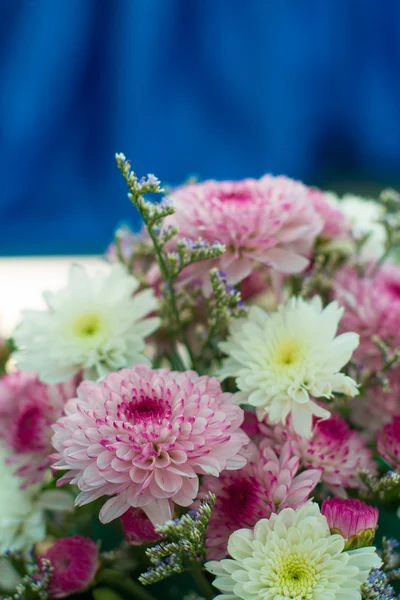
394	428
240	501
239	194
29	430
146	408
334	429
393	288
62	563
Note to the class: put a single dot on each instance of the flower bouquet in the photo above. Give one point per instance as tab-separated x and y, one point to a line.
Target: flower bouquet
217	413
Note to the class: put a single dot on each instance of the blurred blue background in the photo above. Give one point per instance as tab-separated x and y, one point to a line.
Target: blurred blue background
217	88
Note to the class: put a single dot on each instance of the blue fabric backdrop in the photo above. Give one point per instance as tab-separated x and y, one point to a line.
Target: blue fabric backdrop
218	88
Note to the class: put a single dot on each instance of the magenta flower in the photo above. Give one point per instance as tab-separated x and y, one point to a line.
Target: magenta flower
352	519
389	442
338	451
74	561
138	529
144	436
266	485
372	307
279	228
28	409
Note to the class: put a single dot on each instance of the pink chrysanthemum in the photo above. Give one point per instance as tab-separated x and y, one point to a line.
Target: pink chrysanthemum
352	519
28	409
144	436
270	221
372	307
337	226
267	484
338	451
376	407
138	529
74	561
389	442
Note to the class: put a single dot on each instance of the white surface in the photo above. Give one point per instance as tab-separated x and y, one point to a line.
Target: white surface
22	281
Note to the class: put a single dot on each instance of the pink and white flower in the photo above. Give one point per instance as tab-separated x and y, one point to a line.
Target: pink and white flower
352	519
74	561
389	442
28	409
337	226
266	485
338	451
372	308
144	436
269	221
138	529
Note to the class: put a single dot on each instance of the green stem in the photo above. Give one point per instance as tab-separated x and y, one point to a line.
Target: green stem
166	275
125	584
163	268
203	585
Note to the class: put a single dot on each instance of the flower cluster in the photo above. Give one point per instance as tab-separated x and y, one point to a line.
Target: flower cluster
220	403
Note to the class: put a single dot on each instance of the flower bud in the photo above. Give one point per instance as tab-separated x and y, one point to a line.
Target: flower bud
138	528
352	519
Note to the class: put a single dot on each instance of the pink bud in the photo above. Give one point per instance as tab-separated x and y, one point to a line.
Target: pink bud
352	519
138	528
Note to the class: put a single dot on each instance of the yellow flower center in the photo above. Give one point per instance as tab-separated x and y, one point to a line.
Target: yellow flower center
289	353
294	577
87	325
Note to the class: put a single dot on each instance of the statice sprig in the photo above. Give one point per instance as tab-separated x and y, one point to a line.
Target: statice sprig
385	488
189	252
377	587
35	580
224	306
170	263
184	546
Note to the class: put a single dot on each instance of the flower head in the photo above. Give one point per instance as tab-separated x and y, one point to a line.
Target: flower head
267	484
22	511
144	436
282	360
279	228
352	519
389	442
95	323
292	556
372	308
338	451
28	408
365	215
138	529
74	561
337	225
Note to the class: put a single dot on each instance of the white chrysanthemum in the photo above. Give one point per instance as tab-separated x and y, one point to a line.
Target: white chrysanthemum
365	214
292	556
22	511
95	323
282	359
